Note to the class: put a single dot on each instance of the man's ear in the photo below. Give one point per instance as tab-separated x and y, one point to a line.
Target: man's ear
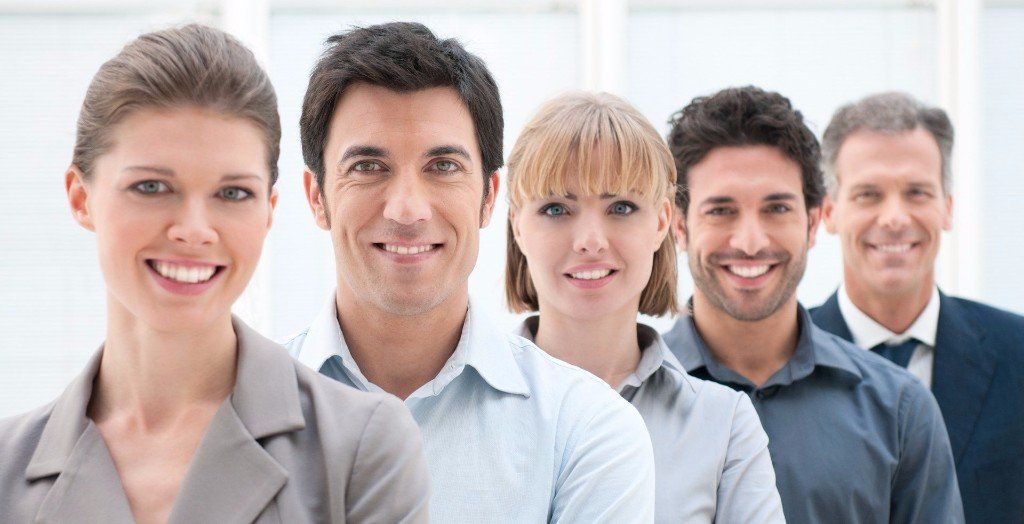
947	223
315	199
487	208
679	228
78	197
828	207
813	219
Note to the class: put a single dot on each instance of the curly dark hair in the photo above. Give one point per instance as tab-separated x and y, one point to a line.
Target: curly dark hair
744	116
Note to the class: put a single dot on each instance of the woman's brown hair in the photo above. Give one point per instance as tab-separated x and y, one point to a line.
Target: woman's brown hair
190	66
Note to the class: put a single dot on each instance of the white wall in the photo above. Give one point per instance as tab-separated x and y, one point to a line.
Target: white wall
52	298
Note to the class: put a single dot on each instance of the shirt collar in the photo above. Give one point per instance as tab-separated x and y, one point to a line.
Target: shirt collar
654	355
481	346
814	348
867	333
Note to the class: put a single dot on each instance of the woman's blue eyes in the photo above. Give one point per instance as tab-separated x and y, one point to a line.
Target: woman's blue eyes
235	193
618	208
623	208
150	187
156	187
553	210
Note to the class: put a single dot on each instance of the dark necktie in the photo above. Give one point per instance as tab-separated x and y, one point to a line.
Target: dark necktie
899	353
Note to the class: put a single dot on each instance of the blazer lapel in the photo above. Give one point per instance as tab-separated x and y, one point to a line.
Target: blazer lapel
962	372
232	478
88	488
829	317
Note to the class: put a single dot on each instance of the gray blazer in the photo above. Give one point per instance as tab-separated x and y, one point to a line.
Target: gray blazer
288	445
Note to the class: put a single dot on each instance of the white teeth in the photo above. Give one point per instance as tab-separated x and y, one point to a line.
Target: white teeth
408	250
591	275
893	248
184	274
749	271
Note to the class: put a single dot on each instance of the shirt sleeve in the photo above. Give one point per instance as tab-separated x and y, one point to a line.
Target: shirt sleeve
608	471
390	481
747	491
925	488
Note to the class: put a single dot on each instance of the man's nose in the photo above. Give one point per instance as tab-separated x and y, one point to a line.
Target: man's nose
408	200
750	236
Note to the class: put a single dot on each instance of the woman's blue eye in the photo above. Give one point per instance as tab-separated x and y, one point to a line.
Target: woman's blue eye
235	193
623	208
553	210
150	187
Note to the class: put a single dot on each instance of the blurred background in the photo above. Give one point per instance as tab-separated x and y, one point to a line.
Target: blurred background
966	55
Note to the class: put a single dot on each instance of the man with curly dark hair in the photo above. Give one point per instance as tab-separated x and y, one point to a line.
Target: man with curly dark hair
853	438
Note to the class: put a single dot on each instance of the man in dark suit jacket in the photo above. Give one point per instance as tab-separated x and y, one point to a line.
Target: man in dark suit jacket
886	164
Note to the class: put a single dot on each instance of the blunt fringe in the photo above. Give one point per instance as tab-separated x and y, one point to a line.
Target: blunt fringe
193	65
603	145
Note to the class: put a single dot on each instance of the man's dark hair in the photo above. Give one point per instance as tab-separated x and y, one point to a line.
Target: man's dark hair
403	57
743	116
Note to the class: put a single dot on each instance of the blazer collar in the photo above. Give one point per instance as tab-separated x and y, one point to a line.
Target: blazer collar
231	477
962	372
830	318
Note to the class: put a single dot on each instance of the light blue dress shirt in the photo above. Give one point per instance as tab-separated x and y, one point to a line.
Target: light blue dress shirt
510	433
710	453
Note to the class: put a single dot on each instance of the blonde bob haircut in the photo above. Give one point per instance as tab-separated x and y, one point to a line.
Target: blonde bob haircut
603	145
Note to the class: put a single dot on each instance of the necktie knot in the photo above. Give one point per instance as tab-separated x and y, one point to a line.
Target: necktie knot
898	353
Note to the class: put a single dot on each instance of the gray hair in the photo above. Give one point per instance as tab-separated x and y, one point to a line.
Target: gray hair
890	113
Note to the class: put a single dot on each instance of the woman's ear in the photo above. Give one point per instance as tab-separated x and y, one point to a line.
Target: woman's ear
78	196
664	222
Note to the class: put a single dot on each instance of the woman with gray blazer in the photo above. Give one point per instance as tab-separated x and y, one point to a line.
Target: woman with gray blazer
185	414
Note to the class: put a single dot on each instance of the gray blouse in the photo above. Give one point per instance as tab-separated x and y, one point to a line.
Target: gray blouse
711	458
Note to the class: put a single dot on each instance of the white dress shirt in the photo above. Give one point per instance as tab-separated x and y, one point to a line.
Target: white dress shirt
867	333
711	456
510	433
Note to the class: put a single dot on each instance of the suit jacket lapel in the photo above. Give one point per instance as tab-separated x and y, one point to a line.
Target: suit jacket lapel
88	488
232	478
829	317
962	372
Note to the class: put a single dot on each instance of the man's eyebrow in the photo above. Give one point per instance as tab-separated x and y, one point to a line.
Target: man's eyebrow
780	196
151	169
448	150
718	200
370	151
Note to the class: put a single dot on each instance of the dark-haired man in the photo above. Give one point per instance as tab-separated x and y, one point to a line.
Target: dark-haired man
886	160
402	138
853	438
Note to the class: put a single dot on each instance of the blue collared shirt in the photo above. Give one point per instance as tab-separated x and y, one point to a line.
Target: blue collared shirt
710	454
853	437
511	434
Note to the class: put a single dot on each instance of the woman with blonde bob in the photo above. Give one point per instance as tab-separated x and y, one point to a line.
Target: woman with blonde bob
185	414
590	193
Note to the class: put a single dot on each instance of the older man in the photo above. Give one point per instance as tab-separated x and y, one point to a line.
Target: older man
402	137
853	438
886	161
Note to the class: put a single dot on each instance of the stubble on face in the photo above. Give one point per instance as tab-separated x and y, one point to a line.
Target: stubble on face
748	307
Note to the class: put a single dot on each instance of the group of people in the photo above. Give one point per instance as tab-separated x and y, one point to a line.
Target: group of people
401	402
